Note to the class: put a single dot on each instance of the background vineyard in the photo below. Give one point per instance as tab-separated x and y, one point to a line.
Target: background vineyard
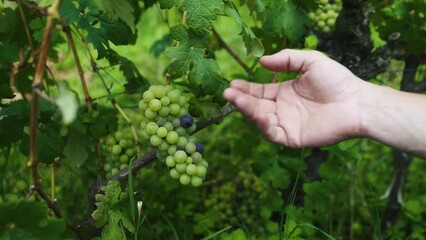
102	56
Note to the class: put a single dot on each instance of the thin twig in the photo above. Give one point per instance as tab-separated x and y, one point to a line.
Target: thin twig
232	53
27	29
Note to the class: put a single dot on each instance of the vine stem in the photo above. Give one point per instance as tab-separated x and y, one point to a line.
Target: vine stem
27	29
232	53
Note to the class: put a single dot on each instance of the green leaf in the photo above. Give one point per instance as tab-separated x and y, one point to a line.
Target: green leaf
49	143
119	9
69	12
6	92
30	220
103	122
201	14
184	56
205	108
167	4
253	45
75	152
311	42
11	130
256	7
205	74
285	19
279	177
67	103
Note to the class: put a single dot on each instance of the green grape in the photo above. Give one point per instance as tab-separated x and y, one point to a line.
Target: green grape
196	157
173	95
155	105
162	132
116	150
321	24
181	131
180	156
192	128
148	96
161	121
123	143
170	162
312	15
182	101
159	91
331	22
184	179
190	148
191	169
152	128
192	139
204	163
118	135
323	16
164	146
21	185
164	111
183	111
114	171
330	14
174	109
155	140
201	171
165	101
168	126
11	198
172	137
174	173
176	122
142	105
123	166
189	160
181	167
182	141
196	181
149	114
172	150
130	152
107	167
324	2
110	140
143	125
124	158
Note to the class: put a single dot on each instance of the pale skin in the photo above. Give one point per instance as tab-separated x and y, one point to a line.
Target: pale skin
327	104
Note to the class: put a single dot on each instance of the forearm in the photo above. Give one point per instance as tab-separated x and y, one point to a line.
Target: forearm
395	118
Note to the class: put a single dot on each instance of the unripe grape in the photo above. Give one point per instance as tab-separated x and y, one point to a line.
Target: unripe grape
164	146
116	150
107	167
174	173
11	198
183	111
152	128
331	22
142	105
170	162
130	152
204	163
176	122
123	166
143	125
159	91
174	95
181	131
196	157
155	105
155	140
162	132
184	179
161	121
149	114
114	171
118	135
172	137
191	169
123	143
172	150
323	16
174	109
196	181
323	2
180	156
148	96
168	126
189	160
182	141
181	167
190	148
321	24
201	171
165	101
182	101
124	158
164	111
192	128
110	140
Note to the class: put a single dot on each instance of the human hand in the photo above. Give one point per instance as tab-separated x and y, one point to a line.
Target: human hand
319	108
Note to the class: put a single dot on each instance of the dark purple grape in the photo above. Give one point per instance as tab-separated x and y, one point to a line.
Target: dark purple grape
186	121
199	147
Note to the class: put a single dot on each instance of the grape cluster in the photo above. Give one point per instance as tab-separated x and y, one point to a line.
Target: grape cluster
168	126
239	202
325	16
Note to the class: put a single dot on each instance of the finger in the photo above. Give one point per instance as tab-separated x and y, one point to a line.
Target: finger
271	129
267	91
291	60
250	106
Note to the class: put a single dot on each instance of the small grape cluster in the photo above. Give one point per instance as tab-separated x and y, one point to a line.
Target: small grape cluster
122	148
168	127
325	16
239	202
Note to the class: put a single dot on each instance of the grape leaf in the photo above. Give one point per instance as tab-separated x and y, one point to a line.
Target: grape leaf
11	130
30	220
256	7
184	56
253	45
69	12
49	143
75	152
67	103
160	45
103	122
201	14
5	91
119	9
167	4
285	19
205	74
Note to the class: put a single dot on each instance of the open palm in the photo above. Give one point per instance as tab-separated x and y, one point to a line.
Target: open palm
318	108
